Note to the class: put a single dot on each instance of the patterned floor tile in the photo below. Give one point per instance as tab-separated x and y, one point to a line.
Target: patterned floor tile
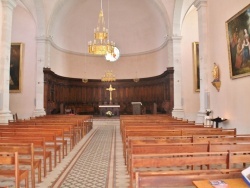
99	165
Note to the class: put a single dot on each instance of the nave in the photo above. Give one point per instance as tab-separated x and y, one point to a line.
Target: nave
96	162
140	151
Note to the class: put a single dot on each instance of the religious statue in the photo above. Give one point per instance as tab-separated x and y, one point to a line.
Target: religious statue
216	82
216	72
110	89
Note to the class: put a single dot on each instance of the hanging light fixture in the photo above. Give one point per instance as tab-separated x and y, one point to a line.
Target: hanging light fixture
101	44
108	77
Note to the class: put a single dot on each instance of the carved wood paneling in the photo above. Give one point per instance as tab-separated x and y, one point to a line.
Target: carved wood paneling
70	91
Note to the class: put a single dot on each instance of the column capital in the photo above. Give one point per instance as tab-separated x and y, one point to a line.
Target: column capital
176	37
9	3
43	38
200	3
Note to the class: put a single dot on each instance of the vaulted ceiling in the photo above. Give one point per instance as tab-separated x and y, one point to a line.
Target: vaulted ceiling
135	26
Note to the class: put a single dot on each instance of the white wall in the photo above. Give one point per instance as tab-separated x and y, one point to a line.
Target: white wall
189	35
73	65
232	101
23	30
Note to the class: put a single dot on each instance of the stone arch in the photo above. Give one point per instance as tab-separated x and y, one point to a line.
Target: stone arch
41	23
180	11
60	3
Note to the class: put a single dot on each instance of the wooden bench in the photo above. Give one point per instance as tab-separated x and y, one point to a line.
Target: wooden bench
154	140
26	150
183	128
187	139
64	132
58	133
40	148
149	128
221	138
141	149
71	130
217	159
151	121
84	122
174	132
12	159
81	123
50	140
181	178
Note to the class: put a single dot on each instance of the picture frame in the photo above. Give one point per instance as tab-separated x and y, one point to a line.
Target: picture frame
237	33
196	65
16	63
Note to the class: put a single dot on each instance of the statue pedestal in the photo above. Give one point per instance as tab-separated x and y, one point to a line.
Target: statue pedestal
208	120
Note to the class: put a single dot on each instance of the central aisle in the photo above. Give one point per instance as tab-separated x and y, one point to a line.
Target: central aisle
96	162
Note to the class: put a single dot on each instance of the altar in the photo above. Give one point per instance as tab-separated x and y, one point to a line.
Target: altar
113	108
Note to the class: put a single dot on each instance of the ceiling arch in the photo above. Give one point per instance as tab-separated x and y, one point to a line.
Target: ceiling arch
135	26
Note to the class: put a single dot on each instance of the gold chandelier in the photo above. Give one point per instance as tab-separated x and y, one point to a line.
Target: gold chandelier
108	77
101	44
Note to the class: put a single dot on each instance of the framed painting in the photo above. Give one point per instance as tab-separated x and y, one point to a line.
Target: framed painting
16	61
238	29
195	47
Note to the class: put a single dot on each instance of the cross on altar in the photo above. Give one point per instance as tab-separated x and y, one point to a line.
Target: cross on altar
110	89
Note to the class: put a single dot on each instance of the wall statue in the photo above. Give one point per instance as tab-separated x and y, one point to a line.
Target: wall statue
216	75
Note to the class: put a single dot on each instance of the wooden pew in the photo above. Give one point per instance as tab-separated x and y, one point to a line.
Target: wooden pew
58	133
71	131
181	178
40	148
215	131
221	159
145	134
84	122
140	149
185	129
154	120
187	139
154	140
12	159
221	138
50	140
130	128
175	132
26	150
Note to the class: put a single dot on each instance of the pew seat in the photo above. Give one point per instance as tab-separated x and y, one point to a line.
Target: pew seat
12	159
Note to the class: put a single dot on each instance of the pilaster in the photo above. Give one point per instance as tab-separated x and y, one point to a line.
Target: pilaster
178	111
5	44
201	6
42	61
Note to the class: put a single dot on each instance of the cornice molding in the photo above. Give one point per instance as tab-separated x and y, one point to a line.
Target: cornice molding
200	3
165	42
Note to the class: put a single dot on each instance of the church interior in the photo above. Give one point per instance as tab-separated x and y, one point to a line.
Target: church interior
117	94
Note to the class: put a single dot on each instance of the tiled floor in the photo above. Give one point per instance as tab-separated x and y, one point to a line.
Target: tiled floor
95	162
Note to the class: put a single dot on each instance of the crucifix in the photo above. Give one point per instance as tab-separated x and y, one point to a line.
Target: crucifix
110	89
